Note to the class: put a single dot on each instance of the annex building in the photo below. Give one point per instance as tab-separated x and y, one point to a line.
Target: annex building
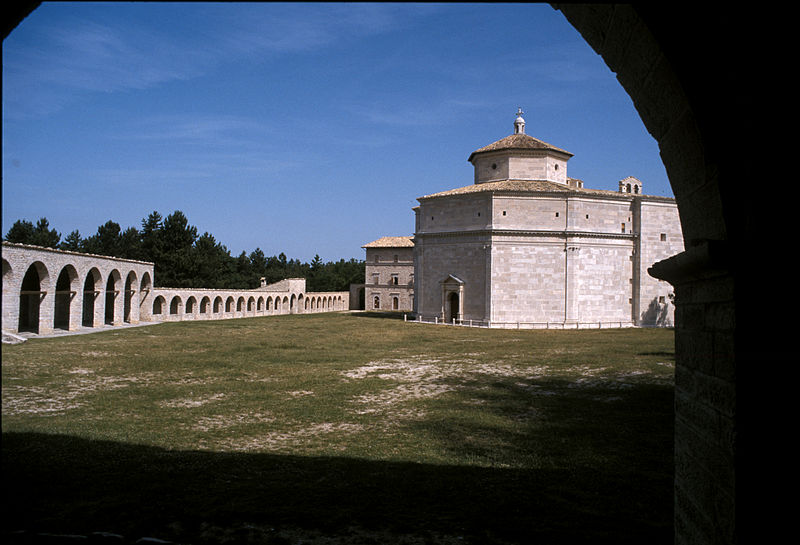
527	246
389	274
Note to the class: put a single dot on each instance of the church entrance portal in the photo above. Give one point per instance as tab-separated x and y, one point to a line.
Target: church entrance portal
452	300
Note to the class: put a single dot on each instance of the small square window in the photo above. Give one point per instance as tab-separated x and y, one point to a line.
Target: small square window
556	214
504	212
663	237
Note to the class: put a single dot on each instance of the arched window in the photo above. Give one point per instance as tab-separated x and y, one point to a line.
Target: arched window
158	305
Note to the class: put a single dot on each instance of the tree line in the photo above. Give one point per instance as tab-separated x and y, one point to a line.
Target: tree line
184	259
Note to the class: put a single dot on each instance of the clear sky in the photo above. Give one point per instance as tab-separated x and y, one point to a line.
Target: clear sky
297	128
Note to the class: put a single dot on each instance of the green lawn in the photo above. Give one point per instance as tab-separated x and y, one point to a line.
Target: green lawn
353	427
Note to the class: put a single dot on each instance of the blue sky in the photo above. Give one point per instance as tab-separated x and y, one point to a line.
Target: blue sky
297	128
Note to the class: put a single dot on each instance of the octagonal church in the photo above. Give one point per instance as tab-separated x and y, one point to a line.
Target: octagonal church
525	245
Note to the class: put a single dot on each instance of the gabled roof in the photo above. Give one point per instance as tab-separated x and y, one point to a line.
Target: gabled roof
452	279
391	242
519	142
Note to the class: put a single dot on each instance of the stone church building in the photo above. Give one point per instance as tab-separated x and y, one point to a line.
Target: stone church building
525	245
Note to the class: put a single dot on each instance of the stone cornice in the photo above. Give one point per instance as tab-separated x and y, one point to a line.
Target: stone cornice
69	252
527	233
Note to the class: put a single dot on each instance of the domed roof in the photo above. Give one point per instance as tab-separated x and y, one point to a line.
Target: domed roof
518	142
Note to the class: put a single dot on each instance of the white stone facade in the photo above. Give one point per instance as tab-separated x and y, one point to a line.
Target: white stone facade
46	290
538	250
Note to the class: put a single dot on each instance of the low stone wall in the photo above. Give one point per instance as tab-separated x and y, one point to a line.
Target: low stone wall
178	304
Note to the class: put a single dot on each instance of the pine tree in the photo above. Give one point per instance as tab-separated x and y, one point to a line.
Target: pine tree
44	236
21	232
73	242
106	241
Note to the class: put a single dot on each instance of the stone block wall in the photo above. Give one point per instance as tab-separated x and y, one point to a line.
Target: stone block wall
528	280
604	286
459	213
464	257
660	237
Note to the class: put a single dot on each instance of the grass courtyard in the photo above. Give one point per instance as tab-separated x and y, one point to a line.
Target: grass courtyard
342	428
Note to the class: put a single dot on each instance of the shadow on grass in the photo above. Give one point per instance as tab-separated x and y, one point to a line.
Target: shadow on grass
388	314
670	355
65	484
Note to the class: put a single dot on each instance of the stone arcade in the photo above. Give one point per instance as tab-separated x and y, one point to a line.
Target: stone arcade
45	290
528	246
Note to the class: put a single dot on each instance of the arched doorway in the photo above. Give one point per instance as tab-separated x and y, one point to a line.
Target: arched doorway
91	288
130	295
30	298
112	293
144	293
65	293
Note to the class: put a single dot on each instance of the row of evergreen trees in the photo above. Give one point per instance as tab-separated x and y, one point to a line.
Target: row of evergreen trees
183	259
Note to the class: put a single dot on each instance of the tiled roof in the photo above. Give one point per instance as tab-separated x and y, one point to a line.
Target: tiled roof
391	242
524	186
504	185
518	141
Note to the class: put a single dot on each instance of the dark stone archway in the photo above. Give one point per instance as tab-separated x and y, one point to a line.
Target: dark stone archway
694	75
705	84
